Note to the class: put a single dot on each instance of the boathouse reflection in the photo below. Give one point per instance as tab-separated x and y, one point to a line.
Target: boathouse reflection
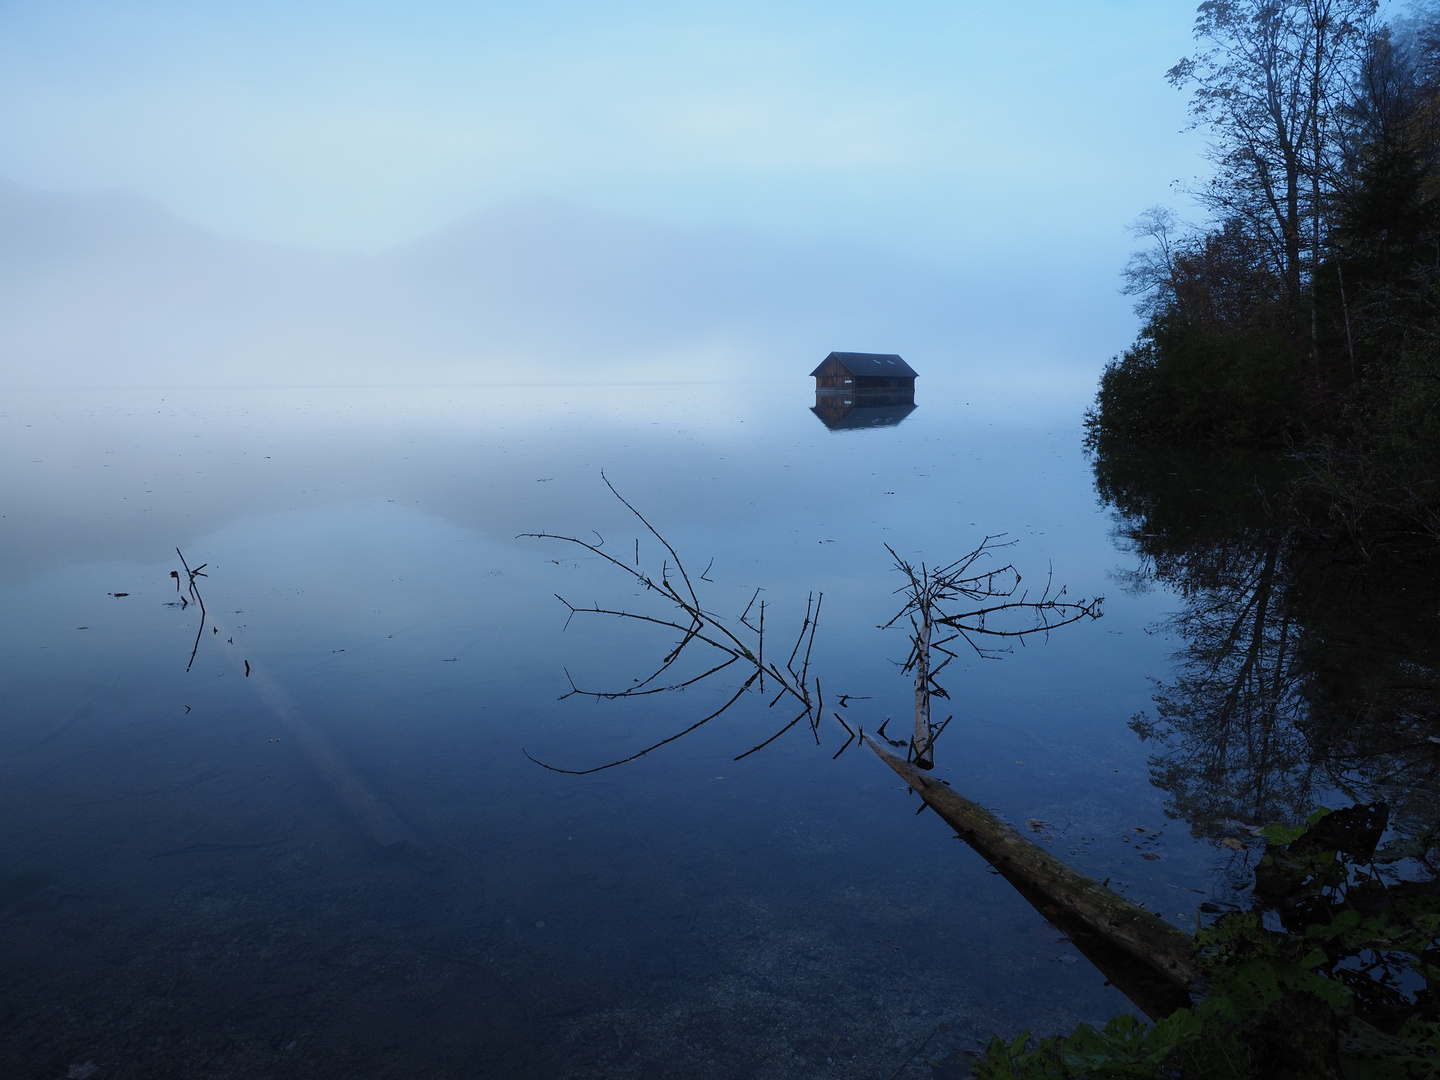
862	409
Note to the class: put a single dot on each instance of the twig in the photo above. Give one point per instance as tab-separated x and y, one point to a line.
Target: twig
847	741
772	738
656	746
195	594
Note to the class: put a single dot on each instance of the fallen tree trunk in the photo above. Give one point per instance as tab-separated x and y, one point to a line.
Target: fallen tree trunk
1146	958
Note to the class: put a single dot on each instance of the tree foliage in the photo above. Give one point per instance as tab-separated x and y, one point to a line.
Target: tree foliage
1308	310
1270	80
1334	972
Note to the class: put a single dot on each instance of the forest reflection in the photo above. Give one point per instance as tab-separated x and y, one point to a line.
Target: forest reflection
1310	658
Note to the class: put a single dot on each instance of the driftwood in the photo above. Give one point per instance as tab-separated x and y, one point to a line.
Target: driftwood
1148	960
924	741
1000	616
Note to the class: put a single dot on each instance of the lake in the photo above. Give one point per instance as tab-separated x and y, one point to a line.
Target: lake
190	882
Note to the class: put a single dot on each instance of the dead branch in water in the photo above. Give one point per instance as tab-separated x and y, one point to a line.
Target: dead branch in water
994	614
682	613
194	597
1149	960
1000	615
373	815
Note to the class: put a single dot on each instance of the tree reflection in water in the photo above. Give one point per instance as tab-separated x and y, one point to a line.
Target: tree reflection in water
1311	659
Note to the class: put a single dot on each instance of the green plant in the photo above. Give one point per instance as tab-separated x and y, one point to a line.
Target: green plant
1333	972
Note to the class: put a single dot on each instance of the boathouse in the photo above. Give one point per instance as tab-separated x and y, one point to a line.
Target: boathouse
863	390
845	372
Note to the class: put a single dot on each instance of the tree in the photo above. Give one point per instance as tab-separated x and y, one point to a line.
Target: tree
1150	273
1270	81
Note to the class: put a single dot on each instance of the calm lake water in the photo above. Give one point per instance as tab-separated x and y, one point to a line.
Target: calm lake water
189	888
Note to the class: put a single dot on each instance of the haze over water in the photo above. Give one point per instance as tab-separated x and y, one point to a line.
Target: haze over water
339	303
782	915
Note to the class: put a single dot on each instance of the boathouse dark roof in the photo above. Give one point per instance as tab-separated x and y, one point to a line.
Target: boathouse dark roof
865	363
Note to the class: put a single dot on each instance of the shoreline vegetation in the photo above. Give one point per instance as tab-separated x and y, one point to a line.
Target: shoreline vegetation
1306	313
1269	445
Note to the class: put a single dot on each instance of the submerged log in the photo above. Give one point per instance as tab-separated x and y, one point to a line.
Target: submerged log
1148	960
375	817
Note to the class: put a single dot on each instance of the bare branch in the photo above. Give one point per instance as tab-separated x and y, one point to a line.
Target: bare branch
194	591
803	714
678	564
989	600
928	593
654	746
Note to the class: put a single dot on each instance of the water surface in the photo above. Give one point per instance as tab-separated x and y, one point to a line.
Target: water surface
186	891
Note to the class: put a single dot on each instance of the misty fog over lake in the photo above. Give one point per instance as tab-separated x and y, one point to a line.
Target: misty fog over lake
110	290
188	859
189	875
460	615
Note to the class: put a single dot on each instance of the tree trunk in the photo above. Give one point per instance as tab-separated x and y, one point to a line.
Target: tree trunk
1149	960
1292	228
1345	309
924	735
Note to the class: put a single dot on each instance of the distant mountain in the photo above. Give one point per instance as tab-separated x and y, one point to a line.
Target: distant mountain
545	279
111	290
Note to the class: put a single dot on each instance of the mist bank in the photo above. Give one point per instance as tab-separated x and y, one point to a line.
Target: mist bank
109	290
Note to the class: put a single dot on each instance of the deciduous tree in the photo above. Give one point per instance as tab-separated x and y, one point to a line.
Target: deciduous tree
1270	80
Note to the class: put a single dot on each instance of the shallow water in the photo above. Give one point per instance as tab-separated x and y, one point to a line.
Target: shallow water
186	890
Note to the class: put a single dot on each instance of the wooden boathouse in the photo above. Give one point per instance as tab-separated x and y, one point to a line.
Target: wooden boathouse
863	390
846	372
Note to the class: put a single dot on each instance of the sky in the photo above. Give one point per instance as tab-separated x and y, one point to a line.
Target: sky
969	134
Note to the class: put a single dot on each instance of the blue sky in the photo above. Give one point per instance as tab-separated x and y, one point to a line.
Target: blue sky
967	133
